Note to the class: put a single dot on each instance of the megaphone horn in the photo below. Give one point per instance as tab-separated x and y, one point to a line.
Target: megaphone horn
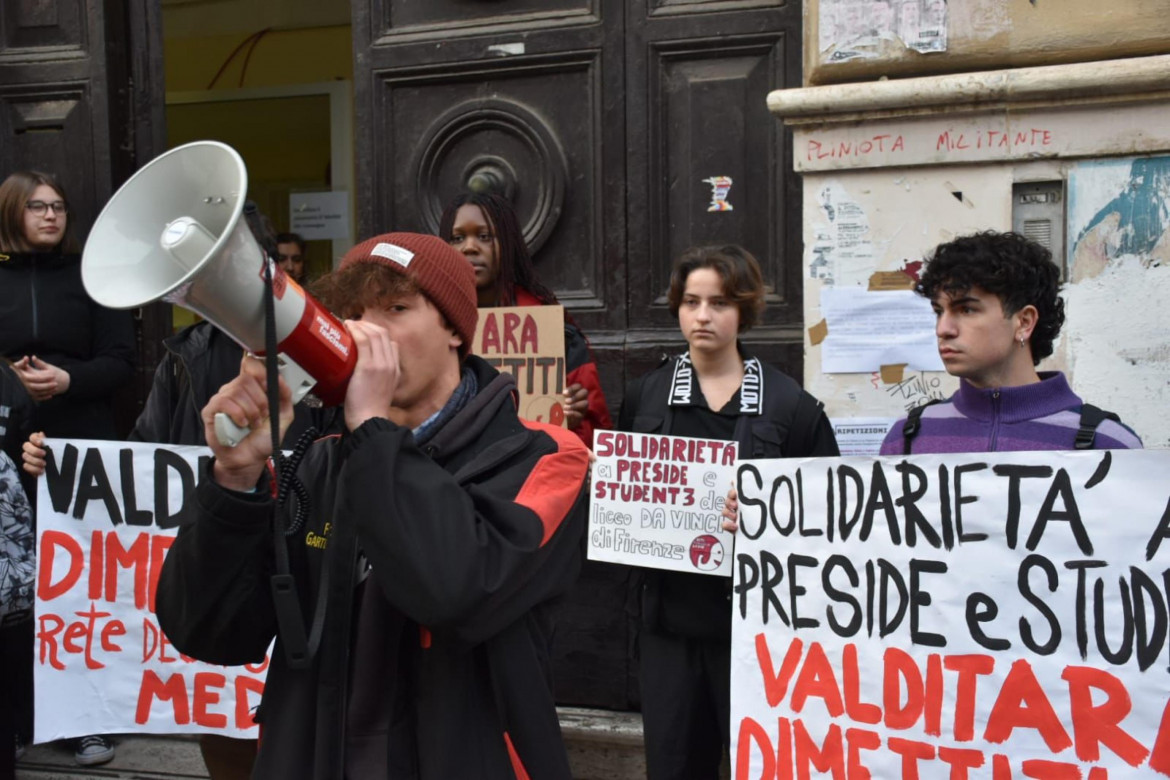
174	232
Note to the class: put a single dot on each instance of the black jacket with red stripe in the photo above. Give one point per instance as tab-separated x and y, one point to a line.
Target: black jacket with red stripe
434	662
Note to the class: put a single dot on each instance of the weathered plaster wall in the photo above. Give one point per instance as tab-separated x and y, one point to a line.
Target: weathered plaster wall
862	40
1117	341
864	222
941	170
1115	345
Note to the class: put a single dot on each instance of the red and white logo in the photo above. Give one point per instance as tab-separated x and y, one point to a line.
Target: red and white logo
706	553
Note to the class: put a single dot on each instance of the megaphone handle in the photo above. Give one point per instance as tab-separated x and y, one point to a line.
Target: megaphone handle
299	381
227	432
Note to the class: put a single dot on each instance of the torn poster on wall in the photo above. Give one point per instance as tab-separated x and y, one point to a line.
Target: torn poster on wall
1118	208
720	187
870	330
842	250
857	29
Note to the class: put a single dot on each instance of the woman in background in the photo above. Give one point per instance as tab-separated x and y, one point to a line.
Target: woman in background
485	229
714	390
70	354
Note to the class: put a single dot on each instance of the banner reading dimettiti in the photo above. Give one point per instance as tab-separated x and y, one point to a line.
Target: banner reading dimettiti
107	512
961	616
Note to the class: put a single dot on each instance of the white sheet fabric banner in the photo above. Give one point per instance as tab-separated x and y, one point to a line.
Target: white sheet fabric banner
657	501
996	616
106	514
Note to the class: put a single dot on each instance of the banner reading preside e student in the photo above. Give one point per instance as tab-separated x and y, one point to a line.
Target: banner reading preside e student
994	616
107	512
656	501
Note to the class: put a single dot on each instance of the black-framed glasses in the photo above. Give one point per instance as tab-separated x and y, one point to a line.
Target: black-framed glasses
39	207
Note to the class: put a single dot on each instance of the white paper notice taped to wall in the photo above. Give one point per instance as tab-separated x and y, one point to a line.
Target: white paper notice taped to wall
868	330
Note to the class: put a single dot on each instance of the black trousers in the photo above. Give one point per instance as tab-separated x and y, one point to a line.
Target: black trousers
686	705
16	691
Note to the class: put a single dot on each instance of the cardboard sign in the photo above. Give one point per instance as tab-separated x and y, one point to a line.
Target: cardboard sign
657	501
529	343
107	512
999	615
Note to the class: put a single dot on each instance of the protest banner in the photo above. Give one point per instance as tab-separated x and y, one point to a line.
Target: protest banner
656	501
527	342
999	615
107	512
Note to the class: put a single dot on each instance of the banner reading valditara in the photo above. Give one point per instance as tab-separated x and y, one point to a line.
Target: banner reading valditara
657	501
989	616
107	512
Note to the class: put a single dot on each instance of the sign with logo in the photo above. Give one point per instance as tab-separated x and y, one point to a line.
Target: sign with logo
107	512
527	342
991	615
656	501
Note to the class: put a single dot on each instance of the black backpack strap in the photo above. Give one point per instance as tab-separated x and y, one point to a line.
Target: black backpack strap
802	427
913	424
1091	417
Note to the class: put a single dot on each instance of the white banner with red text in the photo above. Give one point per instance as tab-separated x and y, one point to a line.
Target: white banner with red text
107	512
999	615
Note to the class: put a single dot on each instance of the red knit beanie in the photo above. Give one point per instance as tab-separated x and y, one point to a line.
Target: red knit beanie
442	274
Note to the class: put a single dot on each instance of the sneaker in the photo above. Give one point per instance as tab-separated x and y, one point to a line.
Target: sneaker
93	750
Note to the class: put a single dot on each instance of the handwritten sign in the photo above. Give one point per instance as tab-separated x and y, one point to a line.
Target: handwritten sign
529	343
656	502
107	512
979	616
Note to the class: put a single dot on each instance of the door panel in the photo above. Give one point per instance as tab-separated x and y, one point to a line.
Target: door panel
503	126
600	120
704	126
701	104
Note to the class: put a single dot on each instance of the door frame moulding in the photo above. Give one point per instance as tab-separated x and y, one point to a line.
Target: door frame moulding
341	141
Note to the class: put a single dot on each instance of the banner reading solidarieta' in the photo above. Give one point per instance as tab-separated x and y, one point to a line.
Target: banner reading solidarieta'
107	512
954	616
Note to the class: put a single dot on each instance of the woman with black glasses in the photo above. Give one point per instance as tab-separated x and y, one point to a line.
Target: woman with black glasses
70	354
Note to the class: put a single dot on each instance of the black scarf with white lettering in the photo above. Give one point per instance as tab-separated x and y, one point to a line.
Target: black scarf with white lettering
751	390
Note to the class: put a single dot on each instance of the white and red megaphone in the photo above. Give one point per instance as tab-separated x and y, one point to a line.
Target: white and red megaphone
174	232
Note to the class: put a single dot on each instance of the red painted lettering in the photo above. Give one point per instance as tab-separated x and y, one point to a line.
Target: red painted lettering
207	687
752	734
1100	724
816	679
911	752
969	668
245	686
51	542
859	740
900	670
854	707
1022	703
829	756
173	690
776	684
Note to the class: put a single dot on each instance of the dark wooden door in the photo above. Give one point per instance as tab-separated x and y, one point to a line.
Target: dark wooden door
600	119
81	97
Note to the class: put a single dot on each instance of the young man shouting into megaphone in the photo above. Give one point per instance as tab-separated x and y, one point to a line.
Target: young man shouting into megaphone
438	529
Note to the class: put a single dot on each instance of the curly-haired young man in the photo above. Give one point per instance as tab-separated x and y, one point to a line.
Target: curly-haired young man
996	297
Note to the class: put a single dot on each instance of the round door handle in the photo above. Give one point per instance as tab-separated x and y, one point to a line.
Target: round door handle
491	176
